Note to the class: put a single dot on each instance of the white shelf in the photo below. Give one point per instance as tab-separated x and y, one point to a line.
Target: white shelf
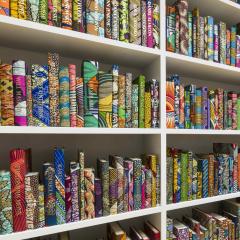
78	225
186	204
202	132
201	69
70	130
40	37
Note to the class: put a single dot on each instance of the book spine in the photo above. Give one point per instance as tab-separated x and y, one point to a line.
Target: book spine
115	76
22	9
184	176
72	95
68	199
121	101
92	9
147	106
190	34
177	46
91	85
156	24
123	21
89	193
228	47
238	113
125	189
4	7
169	176
205	38
234	110
18	171
220	174
220	108
235	170
198	109
64	100
14	8
194	35
31	198
210	49
176	99
141	103
170	92
53	69
216	43
115	19
79	98
40	95
189	174
129	166
6	94
108	19
187	108
216	103
205	178
225	174
101	18
199	180
176	176
98	197
81	185
171	31
113	191
135	100
181	107
128	101
74	173
148	197
137	175
66	21
230	164
194	178
143	188
205	121
19	89
43	11
6	224
158	185
144	22
149	23
229	107
211	175
33	10
49	194
152	159
225	109
59	166
41	207
54	13
155	112
77	16
120	188
223	40
213	121
105	99
192	90
216	166
233	46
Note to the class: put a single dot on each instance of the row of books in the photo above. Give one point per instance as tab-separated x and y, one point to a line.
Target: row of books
195	176
190	34
207	225
133	21
53	95
119	185
199	107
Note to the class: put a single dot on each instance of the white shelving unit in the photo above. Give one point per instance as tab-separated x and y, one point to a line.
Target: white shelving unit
31	41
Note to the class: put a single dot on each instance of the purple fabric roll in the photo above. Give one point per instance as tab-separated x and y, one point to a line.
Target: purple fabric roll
98	198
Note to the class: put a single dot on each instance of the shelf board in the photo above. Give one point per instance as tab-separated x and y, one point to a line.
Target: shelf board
202	132
201	69
186	204
71	130
78	225
43	38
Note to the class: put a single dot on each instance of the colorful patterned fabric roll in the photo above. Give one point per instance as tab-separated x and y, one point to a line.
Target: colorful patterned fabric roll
190	177
49	194
41	209
156	24
40	95
149	23
81	160
190	34
115	19
43	11
80	107
29	100
22	9
121	101
158	185
78	16
6	221
68	199
137	175
33	10
113	191
103	174
222	45
181	107
147	106
171	31
170	123
220	108
98	197
213	120
205	109
184	176
134	106
238	112
64	97
204	163
198	109
194	178
19	90
228	47
148	196
4	7
54	13
135	21
125	189
66	14
211	175
187	108
169	176
53	69
92	25
234	110
176	80
59	166
233	45
155	110
129	166
115	76
101	18
91	85
177	47
14	8
31	198
6	94
89	193
105	99
176	177
72	95
201	45
144	22
123	21
74	172
128	100
210	39
108	18
18	171
143	188
216	43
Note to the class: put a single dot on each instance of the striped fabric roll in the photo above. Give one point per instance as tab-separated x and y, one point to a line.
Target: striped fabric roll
80	107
